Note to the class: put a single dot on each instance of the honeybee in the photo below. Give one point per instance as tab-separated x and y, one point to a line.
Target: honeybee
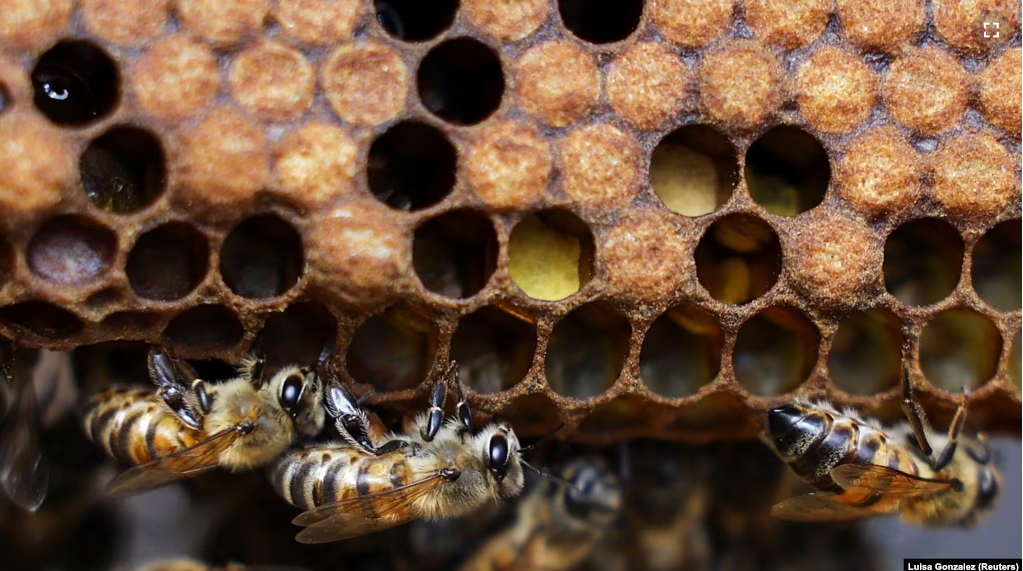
861	469
188	427
437	469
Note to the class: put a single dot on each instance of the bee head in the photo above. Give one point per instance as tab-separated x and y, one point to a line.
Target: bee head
300	395
500	449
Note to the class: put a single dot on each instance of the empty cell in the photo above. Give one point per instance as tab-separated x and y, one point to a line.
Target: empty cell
71	250
601	21
866	353
997	266
415	20
168	262
75	83
411	166
775	351
461	81
123	170
393	350
586	351
494	349
738	259
455	253
204	328
262	257
787	171
694	170
42	318
550	254
297	335
959	348
922	261
681	352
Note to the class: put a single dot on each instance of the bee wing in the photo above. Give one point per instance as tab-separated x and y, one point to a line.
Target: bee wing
192	461
818	506
868	478
24	475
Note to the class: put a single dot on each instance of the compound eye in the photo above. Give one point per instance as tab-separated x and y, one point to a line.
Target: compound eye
987	489
497	456
291	392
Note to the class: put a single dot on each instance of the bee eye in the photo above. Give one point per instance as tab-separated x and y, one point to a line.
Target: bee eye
497	456
987	489
291	392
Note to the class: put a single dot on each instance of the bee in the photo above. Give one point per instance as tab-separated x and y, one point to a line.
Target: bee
557	526
437	469
187	427
861	469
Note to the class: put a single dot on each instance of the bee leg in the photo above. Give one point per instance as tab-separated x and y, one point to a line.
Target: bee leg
351	421
915	414
435	414
174	398
954	429
462	408
252	368
202	398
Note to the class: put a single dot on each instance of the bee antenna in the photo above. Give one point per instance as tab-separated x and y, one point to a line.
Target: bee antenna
551	477
542	439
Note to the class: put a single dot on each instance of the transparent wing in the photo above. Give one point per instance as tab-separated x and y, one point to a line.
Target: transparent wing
894	484
24	475
818	506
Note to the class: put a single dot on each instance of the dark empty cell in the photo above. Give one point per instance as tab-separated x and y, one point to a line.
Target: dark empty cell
775	351
997	266
738	259
866	353
461	81
550	254
787	171
493	349
959	348
123	170
694	170
129	324
43	319
411	166
415	20
601	21
71	250
75	83
392	351
168	262
681	352
297	335
215	370
261	257
455	253
205	327
922	261
587	350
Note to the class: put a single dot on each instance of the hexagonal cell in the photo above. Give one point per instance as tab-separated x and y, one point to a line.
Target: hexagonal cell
168	262
997	266
75	83
775	351
601	21
71	250
455	253
204	328
694	170
461	81
866	353
681	352
411	166
922	261
959	348
738	259
297	335
787	171
587	349
123	170
550	254
42	318
1016	362
415	20
262	257
393	350
493	348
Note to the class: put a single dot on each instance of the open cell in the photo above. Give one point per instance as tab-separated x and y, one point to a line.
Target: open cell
959	348
123	170
775	351
205	328
455	253
866	353
415	20
550	254
738	259
168	262
297	335
694	170
75	83
71	250
461	81
586	351
787	171
681	352
42	318
392	350
997	266
493	349
922	261
601	21
411	166
261	257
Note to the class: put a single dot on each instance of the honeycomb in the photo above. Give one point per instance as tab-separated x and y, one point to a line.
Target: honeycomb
640	219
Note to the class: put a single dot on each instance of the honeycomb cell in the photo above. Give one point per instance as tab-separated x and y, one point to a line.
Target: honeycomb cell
461	81
962	23
926	90
837	262
75	83
681	352
392	350
411	166
959	348
317	22
262	257
997	266
415	20
366	83
601	21
999	84
586	351
316	162
71	250
738	259
741	83
130	325
222	22
507	20
785	23
168	262
787	171
694	170
974	176
600	165
836	90
866	352
455	253
45	164
123	170
880	173
509	165
204	328
882	26
646	84
272	81
32	24
691	24
224	159
175	78
922	261
41	318
550	254
645	256
775	351
494	349
557	82
125	22
297	335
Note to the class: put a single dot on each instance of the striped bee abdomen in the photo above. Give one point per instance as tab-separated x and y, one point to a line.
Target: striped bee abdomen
134	426
312	477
